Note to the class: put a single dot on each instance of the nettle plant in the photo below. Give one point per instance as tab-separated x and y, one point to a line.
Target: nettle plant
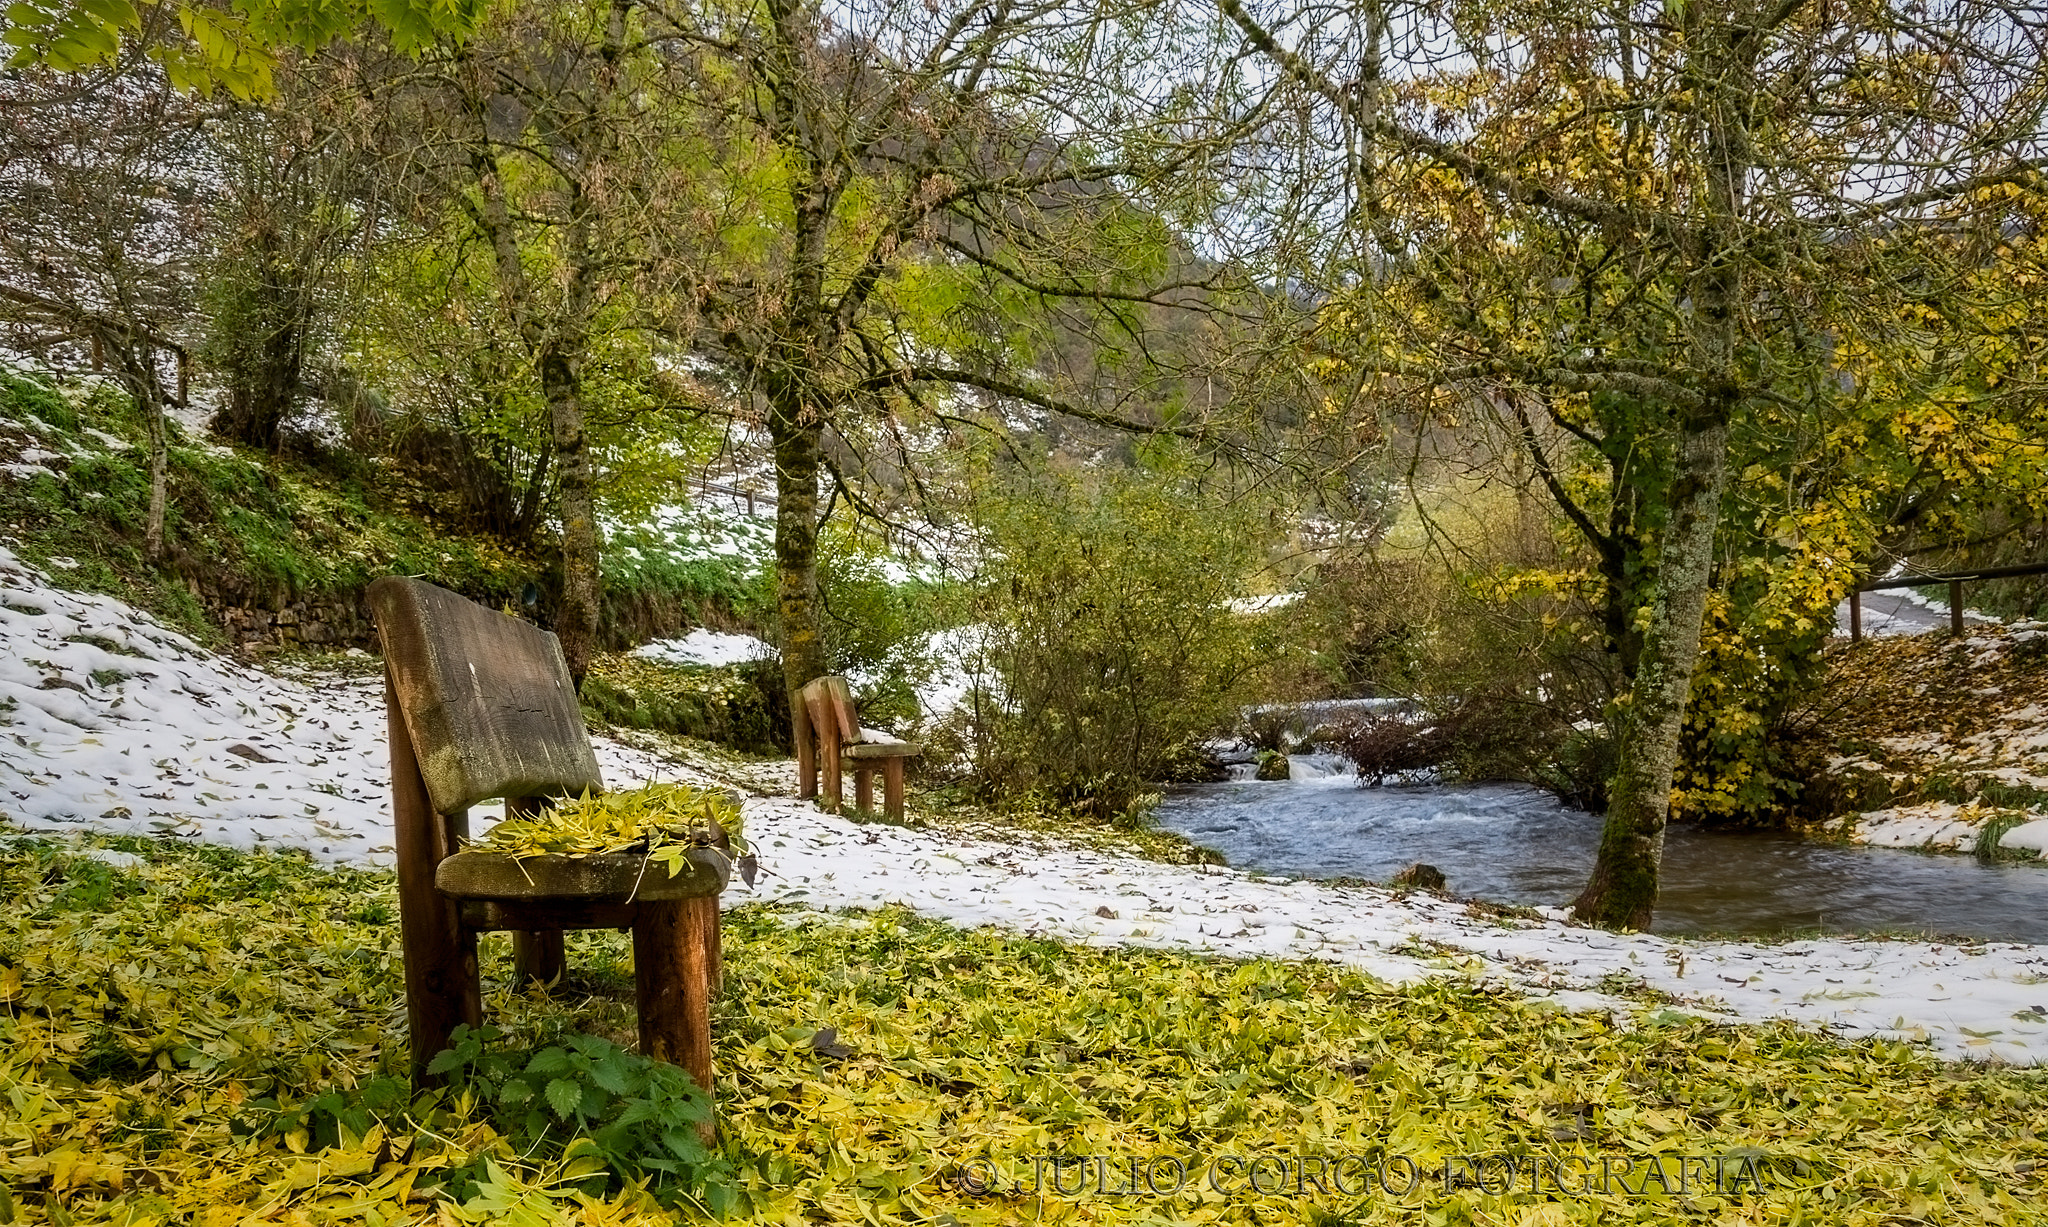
613	1116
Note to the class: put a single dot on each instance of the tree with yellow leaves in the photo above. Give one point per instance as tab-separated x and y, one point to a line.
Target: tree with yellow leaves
1646	232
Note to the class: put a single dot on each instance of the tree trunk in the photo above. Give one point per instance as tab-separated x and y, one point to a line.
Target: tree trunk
149	399
1623	890
264	365
562	385
263	387
795	434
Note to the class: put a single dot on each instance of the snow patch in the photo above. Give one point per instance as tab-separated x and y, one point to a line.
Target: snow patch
1930	824
2028	837
1261	604
707	647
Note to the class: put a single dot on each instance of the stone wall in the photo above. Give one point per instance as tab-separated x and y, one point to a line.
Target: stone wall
270	621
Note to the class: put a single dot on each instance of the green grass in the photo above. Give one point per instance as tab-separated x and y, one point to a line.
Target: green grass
170	1037
733	705
237	523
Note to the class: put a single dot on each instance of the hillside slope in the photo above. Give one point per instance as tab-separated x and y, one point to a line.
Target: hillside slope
1935	742
268	553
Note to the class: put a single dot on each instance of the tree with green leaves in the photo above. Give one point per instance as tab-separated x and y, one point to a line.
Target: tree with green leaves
909	205
1640	229
535	162
288	216
201	46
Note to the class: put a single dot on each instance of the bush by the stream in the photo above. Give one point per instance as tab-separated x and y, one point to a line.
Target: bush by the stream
1476	737
1106	642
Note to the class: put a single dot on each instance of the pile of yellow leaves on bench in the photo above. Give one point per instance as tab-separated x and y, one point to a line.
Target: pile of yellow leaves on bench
662	821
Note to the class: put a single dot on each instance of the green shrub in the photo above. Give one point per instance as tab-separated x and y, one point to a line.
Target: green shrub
658	581
235	523
24	393
734	705
1107	643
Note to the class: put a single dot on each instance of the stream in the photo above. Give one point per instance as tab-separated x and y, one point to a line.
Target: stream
1510	843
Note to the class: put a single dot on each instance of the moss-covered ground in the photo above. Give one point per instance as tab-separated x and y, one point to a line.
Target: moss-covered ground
243	526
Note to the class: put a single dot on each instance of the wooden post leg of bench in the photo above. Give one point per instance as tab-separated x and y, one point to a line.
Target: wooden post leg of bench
714	940
892	788
834	795
538	957
672	971
863	787
806	749
441	989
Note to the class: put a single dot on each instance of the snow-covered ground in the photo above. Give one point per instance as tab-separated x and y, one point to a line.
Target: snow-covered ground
696	532
1972	710
1902	611
1944	826
109	722
707	647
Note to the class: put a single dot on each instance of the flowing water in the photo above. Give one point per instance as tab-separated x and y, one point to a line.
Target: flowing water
1514	844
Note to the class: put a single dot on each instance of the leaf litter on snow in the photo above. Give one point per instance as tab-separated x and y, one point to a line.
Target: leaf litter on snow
164	749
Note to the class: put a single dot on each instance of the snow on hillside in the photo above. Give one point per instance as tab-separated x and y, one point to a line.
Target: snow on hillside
706	647
110	722
1949	734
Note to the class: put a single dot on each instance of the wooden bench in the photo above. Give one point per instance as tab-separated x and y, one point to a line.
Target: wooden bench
481	705
828	733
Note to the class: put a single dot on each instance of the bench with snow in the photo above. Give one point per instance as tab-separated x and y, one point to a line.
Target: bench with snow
828	733
481	705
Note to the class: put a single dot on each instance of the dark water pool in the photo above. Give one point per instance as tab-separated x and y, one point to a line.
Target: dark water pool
1518	845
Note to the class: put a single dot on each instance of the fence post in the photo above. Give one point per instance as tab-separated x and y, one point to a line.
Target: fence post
1855	615
1955	607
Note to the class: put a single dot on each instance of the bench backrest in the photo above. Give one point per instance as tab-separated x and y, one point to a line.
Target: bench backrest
828	701
487	698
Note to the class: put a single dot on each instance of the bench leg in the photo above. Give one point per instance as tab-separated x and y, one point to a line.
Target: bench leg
892	788
441	989
863	788
538	957
806	749
714	941
672	971
834	797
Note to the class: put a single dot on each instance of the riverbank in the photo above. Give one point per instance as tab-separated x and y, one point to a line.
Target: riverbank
1935	742
117	725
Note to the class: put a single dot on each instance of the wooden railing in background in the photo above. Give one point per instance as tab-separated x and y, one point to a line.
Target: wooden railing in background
1955	581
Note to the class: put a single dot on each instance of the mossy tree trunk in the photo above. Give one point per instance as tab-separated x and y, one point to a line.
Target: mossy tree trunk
149	397
134	357
796	436
260	337
576	625
1622	892
555	321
